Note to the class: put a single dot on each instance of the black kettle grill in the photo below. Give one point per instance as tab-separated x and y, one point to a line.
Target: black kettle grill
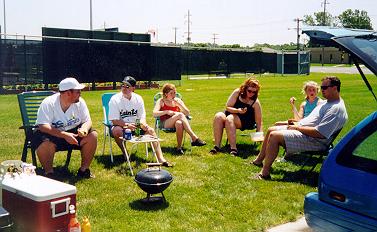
153	180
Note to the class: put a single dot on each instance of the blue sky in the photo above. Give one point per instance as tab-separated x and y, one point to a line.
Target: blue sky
244	22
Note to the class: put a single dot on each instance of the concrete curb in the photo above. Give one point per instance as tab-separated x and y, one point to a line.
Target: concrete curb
299	225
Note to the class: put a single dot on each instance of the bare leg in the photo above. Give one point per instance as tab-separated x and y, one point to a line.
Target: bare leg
156	145
178	116
259	159
117	132
275	140
179	132
231	124
45	153
88	149
218	127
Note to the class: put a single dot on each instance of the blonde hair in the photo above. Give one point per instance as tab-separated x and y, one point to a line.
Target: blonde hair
166	88
308	84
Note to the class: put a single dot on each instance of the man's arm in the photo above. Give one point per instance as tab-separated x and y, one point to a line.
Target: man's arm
69	137
307	130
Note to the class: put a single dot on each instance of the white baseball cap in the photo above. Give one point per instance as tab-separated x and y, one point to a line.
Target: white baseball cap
70	83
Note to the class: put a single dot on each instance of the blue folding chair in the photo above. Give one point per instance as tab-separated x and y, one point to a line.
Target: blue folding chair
107	124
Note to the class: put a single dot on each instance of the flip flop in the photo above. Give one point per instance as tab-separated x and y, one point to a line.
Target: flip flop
214	150
167	164
259	176
233	152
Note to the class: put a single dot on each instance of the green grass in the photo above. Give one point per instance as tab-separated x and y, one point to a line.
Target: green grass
209	193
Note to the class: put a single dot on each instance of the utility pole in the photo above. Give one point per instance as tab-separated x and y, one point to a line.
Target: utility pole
91	16
298	32
175	34
188	28
5	23
298	45
214	38
324	3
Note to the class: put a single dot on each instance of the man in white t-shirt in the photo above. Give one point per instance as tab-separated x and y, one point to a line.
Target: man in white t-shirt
64	122
124	108
312	133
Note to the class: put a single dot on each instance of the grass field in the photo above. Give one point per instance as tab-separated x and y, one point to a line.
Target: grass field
209	193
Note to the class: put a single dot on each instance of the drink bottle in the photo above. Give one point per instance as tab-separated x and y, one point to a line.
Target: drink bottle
138	128
74	224
85	225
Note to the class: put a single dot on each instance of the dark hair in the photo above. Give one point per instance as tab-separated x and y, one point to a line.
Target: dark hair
334	81
250	82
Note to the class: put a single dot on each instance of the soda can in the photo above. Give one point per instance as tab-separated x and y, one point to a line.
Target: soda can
127	134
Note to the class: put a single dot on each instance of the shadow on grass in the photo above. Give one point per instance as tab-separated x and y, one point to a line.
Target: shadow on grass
61	173
142	205
245	150
300	176
299	173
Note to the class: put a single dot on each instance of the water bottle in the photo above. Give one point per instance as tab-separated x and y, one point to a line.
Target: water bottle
138	128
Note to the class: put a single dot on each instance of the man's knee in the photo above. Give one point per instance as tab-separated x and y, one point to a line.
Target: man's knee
276	137
117	131
46	147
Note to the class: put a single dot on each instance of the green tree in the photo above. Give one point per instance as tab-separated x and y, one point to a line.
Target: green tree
355	19
320	19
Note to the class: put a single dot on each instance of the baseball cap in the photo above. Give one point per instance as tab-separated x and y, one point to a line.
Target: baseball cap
70	83
128	80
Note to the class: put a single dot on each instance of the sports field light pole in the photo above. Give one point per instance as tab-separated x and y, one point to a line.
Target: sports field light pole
91	15
5	23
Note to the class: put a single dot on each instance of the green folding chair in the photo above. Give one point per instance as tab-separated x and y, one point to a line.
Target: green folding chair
29	103
158	124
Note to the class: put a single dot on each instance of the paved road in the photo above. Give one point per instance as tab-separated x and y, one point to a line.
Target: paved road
334	69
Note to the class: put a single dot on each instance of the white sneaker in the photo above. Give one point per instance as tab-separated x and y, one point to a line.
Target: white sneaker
282	160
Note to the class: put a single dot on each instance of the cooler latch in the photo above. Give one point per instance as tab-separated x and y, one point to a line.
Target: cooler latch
65	209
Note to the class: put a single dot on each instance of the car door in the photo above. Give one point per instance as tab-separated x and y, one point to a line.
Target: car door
348	177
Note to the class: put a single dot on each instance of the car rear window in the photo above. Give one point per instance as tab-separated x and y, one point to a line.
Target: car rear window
361	152
368	148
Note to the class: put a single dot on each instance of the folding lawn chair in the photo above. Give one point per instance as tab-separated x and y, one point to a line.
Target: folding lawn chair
29	103
316	157
107	124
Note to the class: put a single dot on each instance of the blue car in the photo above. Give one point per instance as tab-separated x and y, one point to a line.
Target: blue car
347	186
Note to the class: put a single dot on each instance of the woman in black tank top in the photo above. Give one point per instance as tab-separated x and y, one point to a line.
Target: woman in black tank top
243	111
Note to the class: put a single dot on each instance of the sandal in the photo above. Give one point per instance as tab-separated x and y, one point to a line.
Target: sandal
167	164
214	150
259	176
256	164
233	152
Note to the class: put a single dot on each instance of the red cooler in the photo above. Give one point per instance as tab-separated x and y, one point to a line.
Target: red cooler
37	203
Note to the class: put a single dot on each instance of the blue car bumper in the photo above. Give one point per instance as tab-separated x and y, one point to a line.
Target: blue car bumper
322	216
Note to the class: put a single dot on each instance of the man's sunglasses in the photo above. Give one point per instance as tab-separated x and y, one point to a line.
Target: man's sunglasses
324	87
126	86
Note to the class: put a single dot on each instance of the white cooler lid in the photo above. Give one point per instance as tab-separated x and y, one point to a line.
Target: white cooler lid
37	188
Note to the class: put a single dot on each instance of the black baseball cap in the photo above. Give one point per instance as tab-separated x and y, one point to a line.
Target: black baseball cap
128	80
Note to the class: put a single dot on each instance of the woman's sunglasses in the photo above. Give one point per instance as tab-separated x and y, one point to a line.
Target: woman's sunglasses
251	91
